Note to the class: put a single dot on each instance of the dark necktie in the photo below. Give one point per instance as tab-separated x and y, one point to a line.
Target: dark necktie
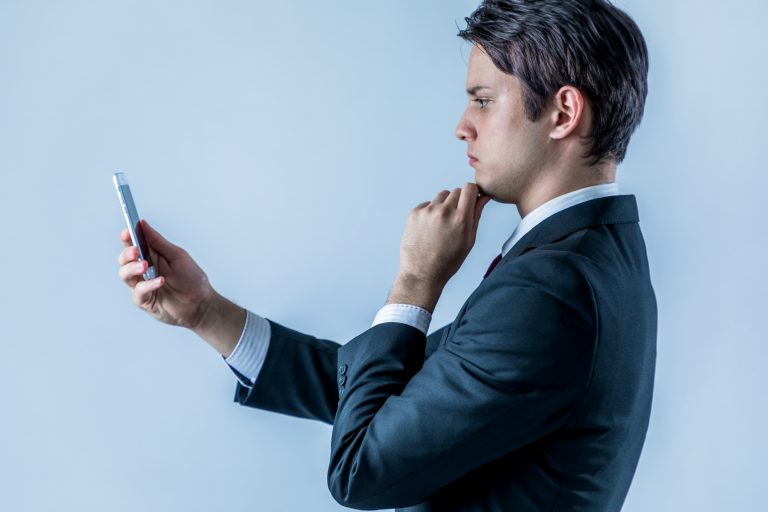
495	261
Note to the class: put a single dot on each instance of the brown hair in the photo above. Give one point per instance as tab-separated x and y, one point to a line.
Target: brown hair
589	44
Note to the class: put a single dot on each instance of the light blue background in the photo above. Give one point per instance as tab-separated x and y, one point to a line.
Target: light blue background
283	144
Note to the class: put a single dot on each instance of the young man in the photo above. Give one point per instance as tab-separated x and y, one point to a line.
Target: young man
537	396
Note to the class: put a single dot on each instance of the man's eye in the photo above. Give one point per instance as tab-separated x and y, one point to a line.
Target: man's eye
483	103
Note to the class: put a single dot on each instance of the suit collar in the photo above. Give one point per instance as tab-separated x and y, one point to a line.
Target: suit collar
620	209
557	204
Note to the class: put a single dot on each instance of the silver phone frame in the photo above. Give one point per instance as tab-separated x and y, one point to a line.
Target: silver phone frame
132	219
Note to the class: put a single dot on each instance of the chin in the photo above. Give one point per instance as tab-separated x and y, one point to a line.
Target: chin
485	188
499	196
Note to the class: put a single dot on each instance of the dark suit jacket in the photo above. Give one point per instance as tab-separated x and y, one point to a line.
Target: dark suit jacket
535	398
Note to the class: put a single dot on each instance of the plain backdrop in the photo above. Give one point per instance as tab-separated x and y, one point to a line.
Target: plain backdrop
283	144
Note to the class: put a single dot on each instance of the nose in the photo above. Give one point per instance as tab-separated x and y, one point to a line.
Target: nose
464	130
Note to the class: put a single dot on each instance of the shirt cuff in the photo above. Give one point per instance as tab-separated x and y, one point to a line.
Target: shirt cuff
251	349
405	314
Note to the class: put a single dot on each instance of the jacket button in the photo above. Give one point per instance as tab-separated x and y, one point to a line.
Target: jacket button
341	391
342	369
342	379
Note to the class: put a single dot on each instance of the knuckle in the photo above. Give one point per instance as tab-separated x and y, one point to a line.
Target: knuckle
129	271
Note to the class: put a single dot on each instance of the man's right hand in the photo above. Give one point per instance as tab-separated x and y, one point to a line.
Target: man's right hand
180	295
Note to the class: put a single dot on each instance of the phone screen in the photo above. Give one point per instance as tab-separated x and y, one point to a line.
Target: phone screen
132	220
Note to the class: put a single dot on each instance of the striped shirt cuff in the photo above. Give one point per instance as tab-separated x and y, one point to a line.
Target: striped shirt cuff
251	349
405	314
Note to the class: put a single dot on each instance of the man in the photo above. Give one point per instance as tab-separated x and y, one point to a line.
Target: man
537	396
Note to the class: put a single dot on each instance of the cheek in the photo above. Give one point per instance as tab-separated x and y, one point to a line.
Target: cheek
492	134
512	150
502	141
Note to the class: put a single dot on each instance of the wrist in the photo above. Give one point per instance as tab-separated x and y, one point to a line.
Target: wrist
414	290
208	311
220	323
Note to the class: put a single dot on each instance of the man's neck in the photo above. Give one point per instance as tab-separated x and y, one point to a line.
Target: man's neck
552	185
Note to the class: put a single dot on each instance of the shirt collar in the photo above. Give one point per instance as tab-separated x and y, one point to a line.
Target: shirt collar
555	205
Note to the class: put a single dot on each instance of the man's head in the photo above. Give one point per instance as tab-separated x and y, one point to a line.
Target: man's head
566	88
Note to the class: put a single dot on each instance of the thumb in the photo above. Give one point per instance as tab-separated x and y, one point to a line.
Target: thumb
479	205
162	246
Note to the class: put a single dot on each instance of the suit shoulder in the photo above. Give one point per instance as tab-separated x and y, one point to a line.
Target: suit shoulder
546	284
546	267
538	309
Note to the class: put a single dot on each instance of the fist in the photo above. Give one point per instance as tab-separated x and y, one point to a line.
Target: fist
440	233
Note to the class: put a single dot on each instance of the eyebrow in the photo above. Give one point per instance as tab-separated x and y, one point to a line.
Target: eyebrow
472	91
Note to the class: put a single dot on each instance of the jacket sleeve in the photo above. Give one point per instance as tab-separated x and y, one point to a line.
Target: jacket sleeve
298	376
511	371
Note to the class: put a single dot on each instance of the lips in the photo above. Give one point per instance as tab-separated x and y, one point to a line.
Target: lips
472	158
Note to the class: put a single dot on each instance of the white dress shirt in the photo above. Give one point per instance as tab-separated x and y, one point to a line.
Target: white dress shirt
251	349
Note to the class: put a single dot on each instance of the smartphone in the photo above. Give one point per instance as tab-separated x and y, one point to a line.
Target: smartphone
132	219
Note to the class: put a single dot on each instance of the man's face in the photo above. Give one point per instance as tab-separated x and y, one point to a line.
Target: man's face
510	150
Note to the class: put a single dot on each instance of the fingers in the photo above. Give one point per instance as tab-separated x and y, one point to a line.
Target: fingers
125	237
468	198
157	242
130	268
453	198
440	197
130	253
463	198
131	272
142	294
479	205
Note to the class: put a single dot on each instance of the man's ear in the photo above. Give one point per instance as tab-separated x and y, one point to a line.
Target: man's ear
568	113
